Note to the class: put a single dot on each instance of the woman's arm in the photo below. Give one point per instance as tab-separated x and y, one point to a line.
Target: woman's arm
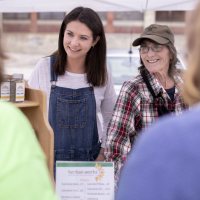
120	128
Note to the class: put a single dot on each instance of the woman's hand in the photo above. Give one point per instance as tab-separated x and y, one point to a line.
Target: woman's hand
101	156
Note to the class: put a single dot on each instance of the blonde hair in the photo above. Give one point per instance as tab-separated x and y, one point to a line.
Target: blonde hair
191	88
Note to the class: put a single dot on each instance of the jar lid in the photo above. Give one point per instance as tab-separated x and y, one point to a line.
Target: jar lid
17	76
6	77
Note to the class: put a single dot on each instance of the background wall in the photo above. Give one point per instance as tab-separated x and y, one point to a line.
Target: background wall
24	49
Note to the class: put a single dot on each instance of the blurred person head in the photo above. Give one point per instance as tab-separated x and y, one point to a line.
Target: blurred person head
14	130
191	90
157	43
2	56
95	53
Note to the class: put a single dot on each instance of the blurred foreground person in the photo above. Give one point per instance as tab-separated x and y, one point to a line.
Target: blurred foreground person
24	174
165	163
150	95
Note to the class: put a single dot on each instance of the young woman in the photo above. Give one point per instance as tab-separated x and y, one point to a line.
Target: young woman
80	93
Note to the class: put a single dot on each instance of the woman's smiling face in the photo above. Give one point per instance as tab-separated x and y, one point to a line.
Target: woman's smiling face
78	39
155	57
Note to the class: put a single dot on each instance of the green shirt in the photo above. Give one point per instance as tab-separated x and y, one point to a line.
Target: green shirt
23	173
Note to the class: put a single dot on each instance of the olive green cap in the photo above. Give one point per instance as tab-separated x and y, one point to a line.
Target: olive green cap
160	34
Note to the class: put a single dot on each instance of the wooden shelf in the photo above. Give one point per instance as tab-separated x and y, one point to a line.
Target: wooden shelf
34	107
26	104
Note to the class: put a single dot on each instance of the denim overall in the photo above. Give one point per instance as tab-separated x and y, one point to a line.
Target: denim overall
72	115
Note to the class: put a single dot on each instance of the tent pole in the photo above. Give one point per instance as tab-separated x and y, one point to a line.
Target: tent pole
149	18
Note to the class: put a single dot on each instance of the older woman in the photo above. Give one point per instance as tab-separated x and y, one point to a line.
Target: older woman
165	162
153	93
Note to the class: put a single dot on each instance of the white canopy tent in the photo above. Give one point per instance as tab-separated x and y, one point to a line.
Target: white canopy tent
159	5
57	5
98	5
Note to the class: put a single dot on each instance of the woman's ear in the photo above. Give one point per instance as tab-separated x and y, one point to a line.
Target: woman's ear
96	40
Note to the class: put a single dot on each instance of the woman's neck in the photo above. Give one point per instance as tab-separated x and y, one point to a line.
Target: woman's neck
165	80
75	66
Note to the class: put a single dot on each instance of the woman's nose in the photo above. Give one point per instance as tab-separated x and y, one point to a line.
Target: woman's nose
150	52
74	41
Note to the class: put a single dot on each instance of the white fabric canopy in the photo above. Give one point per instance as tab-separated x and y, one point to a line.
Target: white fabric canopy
56	5
98	5
142	5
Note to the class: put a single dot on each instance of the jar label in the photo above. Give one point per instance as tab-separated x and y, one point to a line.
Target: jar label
5	91
20	91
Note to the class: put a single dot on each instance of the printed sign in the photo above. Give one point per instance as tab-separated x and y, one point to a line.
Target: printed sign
85	180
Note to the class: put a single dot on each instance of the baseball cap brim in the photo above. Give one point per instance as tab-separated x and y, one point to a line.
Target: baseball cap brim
155	38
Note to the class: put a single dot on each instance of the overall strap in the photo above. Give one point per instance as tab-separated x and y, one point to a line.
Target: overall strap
53	74
162	110
145	79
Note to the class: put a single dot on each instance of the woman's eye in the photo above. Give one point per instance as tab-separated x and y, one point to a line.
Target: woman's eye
69	34
157	46
83	38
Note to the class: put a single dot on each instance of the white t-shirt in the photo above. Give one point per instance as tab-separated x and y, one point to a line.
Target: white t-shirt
105	96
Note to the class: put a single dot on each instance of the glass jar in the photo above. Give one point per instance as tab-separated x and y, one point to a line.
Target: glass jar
17	88
5	88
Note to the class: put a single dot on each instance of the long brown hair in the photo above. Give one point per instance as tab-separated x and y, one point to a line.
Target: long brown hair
191	89
96	57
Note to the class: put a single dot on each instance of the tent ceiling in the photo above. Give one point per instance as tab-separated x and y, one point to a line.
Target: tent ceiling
142	5
98	5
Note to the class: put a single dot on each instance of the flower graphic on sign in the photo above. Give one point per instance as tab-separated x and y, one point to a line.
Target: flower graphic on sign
100	170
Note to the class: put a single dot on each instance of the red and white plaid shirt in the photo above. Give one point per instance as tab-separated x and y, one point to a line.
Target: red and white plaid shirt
134	110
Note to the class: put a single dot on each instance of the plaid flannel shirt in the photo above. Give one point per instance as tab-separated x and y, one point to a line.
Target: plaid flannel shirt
135	108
